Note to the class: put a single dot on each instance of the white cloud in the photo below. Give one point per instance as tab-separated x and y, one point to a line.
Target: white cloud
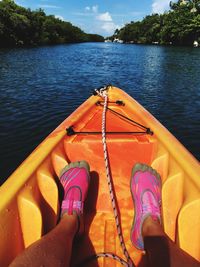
109	27
106	22
104	17
59	17
101	23
160	6
95	9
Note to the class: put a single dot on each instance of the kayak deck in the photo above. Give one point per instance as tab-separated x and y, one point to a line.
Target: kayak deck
31	207
124	151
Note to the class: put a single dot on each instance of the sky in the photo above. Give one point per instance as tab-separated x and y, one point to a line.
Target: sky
98	16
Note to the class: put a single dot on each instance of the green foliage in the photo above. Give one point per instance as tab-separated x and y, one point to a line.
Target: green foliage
21	26
94	38
179	26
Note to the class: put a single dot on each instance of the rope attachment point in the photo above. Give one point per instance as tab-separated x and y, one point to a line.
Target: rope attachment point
100	91
117	102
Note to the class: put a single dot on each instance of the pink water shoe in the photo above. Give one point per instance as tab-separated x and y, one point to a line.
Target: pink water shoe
146	194
75	180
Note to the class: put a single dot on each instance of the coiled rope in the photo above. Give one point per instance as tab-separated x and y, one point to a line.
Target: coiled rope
103	93
103	255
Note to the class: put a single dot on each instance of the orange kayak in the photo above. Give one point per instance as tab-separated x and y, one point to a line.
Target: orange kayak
30	199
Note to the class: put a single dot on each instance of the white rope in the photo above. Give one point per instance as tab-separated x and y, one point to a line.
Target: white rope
102	255
103	93
112	256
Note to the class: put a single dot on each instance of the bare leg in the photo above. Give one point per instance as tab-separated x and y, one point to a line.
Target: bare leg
53	249
147	233
161	251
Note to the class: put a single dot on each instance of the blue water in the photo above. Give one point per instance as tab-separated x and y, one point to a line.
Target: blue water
39	87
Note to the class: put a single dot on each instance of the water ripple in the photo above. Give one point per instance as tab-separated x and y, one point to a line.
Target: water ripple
40	87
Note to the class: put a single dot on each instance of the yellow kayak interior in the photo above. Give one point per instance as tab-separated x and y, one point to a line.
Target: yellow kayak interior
30	198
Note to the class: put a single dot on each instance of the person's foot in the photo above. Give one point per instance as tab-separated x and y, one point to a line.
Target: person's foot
146	194
75	180
152	227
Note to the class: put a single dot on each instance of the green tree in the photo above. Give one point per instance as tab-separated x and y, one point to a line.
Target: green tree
179	26
21	26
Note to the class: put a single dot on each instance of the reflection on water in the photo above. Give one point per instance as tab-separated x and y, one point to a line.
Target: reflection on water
39	87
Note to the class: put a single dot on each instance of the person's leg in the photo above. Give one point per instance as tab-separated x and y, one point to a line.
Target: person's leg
54	249
160	250
147	233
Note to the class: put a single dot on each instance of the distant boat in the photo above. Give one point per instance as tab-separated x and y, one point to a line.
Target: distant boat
195	44
116	40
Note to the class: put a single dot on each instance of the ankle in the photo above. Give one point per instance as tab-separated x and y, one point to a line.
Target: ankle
74	221
151	227
70	222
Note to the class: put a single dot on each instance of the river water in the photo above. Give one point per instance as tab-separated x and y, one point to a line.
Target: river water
39	87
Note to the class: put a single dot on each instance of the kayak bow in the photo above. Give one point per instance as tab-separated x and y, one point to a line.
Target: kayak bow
29	204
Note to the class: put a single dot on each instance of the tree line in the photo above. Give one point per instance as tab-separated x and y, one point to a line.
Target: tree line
179	26
20	26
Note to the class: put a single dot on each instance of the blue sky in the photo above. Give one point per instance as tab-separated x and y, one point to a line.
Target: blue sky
95	16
